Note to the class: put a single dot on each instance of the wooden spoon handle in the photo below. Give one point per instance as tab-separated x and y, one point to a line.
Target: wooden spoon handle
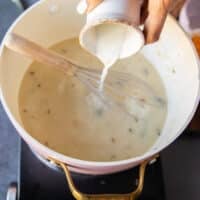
32	50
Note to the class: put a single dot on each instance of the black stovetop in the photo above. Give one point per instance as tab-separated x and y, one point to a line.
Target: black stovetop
38	181
175	175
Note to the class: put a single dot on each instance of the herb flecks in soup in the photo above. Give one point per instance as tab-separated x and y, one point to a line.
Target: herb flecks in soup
60	112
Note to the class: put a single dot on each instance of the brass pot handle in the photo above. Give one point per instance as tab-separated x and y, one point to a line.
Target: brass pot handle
81	196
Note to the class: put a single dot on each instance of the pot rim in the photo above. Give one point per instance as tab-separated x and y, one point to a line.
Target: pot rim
83	163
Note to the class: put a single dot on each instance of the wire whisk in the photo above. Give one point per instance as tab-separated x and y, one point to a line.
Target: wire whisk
121	89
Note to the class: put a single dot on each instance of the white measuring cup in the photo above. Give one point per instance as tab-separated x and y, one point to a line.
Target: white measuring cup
122	15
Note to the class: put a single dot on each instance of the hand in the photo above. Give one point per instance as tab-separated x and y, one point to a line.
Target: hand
153	15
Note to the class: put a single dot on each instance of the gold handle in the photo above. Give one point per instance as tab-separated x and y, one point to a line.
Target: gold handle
130	196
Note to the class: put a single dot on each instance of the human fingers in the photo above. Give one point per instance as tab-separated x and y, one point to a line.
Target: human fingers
157	13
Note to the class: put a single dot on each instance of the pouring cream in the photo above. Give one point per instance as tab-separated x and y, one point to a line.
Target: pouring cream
111	31
106	52
110	42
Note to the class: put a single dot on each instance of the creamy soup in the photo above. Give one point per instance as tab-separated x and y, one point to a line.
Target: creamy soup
60	112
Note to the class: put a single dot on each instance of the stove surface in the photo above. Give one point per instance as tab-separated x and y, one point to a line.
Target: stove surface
174	176
38	181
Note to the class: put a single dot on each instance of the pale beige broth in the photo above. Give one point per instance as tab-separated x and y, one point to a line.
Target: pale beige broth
60	112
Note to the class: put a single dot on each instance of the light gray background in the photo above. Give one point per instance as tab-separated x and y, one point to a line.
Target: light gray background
8	137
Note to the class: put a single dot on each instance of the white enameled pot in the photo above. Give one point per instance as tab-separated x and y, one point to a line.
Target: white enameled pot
174	57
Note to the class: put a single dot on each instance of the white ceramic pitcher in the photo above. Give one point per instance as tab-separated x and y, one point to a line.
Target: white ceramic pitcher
123	13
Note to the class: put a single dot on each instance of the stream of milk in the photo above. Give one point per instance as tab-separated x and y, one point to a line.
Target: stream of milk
109	43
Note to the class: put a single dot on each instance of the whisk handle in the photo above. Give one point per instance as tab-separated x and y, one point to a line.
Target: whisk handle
34	51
